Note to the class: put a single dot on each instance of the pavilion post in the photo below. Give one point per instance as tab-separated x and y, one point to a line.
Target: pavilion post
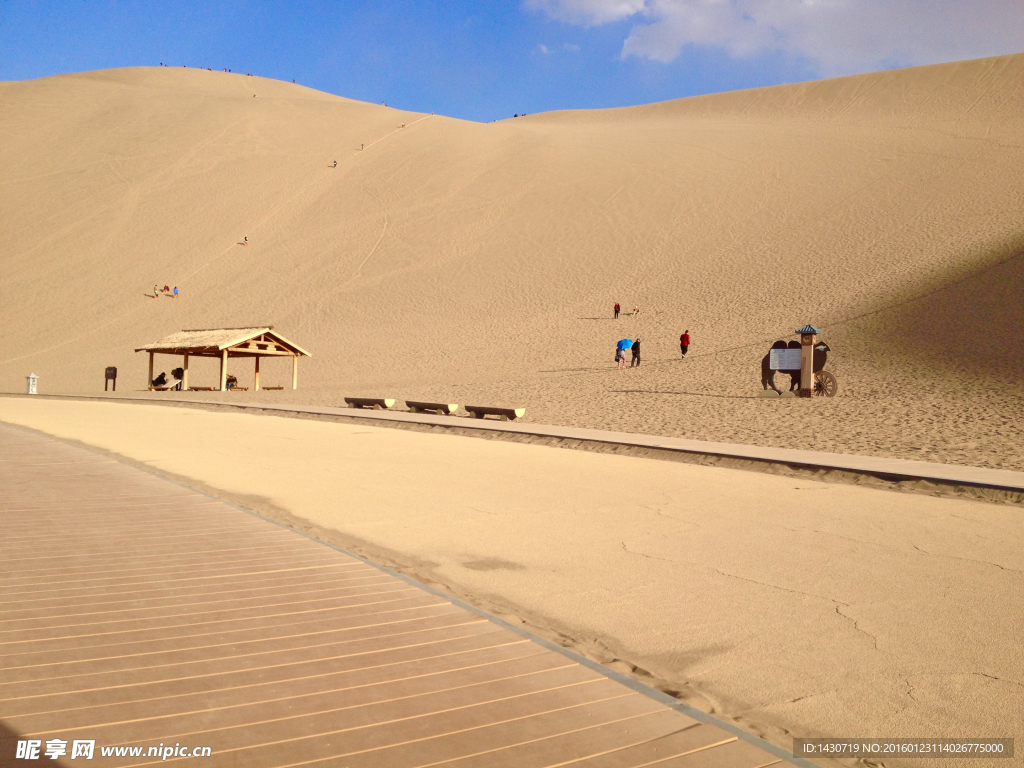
184	375
295	372
149	383
223	370
257	385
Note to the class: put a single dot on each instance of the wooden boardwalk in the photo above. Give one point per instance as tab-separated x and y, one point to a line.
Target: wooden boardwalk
135	612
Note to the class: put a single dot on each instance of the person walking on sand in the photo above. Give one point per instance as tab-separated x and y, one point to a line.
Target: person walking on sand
636	353
335	163
684	342
245	240
620	358
156	291
175	291
617	310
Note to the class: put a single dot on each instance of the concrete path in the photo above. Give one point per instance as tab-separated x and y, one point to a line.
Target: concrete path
136	612
891	469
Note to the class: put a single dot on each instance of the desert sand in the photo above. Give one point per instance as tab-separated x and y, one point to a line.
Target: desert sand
790	606
465	262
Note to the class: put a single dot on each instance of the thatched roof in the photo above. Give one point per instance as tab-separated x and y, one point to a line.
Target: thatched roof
218	339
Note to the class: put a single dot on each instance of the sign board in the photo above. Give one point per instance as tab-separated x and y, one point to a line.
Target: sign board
784	359
111	372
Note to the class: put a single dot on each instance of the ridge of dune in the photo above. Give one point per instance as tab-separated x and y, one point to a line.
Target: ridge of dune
461	261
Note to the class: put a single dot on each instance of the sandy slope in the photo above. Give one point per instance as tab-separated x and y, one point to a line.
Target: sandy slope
792	606
480	261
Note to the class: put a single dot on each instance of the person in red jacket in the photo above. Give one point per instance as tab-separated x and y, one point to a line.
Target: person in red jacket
684	342
616	311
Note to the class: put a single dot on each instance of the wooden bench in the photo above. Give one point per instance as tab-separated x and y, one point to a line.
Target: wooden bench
271	387
202	389
377	403
441	409
238	389
505	414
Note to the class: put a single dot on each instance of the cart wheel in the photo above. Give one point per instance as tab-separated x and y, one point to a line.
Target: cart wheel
825	384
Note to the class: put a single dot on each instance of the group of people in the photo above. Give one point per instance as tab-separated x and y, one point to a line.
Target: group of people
620	352
634	347
157	292
634	344
162	382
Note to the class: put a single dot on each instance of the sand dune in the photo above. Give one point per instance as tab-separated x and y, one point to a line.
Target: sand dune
470	261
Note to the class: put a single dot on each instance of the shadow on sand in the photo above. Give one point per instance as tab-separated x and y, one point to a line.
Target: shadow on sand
691	394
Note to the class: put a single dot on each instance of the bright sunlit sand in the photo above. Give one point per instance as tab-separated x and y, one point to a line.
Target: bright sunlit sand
424	257
465	262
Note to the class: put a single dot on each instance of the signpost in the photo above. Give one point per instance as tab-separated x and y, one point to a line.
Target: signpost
111	376
807	334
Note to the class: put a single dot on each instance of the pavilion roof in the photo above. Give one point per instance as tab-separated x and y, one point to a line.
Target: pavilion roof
218	339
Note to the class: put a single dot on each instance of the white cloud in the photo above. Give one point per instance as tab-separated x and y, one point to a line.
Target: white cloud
840	36
571	47
588	12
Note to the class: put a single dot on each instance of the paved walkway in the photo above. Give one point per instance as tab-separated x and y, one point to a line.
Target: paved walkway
135	612
888	468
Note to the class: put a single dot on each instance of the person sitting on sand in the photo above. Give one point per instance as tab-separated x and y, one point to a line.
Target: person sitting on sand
167	289
636	310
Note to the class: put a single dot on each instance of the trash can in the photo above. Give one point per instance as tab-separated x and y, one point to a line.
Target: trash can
30	384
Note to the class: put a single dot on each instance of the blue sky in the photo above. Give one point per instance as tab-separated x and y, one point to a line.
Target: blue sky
484	59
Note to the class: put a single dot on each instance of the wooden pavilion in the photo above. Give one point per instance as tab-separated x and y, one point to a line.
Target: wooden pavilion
223	343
